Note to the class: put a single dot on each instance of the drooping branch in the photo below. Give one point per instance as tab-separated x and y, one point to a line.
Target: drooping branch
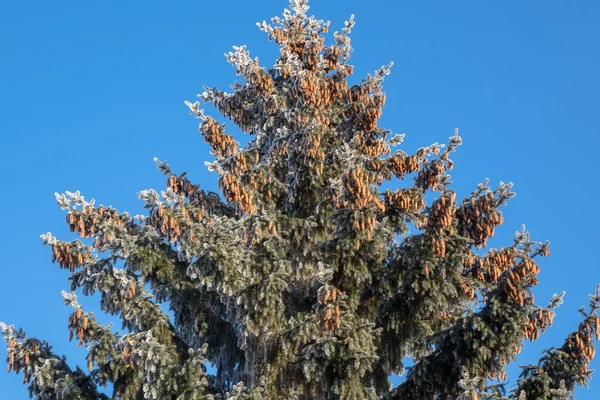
563	368
49	376
481	344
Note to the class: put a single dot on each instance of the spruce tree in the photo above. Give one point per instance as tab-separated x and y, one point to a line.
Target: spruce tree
303	281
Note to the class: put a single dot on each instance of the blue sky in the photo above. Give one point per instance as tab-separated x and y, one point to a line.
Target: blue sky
92	91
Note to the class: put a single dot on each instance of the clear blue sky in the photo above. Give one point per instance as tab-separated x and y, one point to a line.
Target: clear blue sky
92	91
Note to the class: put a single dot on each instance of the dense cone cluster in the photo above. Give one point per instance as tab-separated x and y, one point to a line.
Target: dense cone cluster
304	280
70	255
328	312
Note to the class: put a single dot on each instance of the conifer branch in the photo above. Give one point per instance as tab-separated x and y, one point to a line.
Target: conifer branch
48	375
483	343
561	369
